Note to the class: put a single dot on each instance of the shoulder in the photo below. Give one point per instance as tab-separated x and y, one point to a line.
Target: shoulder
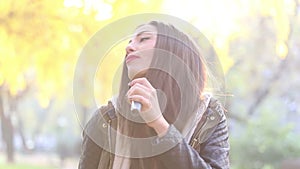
99	124
212	118
100	118
216	110
105	112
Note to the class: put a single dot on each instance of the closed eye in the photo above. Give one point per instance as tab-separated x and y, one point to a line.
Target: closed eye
144	38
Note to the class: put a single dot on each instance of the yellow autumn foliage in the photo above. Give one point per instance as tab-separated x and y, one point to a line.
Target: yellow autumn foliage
41	40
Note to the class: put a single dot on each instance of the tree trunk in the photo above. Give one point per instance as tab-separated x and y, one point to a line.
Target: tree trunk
7	133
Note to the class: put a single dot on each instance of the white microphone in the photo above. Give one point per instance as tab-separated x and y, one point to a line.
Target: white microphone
136	107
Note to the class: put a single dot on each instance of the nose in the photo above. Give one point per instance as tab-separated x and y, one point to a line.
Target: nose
130	48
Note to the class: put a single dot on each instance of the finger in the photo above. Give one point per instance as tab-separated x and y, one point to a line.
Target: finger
144	81
146	112
146	104
138	89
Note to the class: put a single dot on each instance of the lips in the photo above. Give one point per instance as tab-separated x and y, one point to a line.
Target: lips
129	58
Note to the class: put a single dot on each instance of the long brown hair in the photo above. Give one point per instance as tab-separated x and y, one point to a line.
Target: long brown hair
181	83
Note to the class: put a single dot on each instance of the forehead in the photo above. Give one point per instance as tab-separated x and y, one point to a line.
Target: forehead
145	28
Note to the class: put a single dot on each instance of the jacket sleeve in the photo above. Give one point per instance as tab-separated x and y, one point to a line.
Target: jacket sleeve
90	154
212	154
90	151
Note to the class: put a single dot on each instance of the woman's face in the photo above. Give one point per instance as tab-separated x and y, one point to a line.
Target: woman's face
140	49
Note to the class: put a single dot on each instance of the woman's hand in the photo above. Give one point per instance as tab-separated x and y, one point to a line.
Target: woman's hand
143	92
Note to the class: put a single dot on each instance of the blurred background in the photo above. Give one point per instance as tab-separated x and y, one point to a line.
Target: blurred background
257	41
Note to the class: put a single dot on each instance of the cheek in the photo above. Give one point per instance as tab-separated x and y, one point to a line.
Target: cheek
149	45
148	57
153	43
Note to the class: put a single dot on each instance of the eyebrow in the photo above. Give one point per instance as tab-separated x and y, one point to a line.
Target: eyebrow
140	33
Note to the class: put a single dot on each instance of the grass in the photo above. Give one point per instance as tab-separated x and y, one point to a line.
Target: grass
38	161
23	166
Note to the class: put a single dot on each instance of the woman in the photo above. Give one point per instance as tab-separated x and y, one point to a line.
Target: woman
178	126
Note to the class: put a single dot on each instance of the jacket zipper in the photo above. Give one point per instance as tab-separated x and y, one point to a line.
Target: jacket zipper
195	138
109	144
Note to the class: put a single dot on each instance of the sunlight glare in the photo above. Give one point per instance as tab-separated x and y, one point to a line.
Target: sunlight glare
281	49
73	3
